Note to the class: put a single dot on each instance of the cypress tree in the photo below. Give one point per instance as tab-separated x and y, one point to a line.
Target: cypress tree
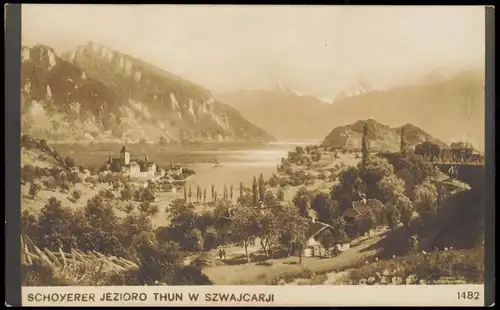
224	193
262	188
254	192
403	142
364	145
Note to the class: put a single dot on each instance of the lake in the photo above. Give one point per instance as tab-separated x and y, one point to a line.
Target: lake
238	162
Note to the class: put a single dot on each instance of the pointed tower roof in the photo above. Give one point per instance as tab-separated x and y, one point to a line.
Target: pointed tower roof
124	149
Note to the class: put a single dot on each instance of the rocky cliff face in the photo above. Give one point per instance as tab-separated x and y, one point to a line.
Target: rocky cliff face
380	137
101	95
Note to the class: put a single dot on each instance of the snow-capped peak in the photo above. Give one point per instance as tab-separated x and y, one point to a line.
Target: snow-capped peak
360	87
284	89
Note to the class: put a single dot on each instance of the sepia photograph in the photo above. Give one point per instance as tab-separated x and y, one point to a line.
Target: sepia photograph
220	145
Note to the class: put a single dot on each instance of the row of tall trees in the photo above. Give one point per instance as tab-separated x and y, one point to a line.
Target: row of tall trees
258	192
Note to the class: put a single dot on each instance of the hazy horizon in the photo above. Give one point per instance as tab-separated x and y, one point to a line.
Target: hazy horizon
311	49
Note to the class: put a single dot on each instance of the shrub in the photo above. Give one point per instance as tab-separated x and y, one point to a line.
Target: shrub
76	194
211	238
148	209
34	189
69	161
280	195
27	173
432	268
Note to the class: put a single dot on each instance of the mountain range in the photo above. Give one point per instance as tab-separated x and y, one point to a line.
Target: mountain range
437	102
97	94
381	138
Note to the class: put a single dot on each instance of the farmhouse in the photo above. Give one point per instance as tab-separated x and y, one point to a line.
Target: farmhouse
133	167
313	246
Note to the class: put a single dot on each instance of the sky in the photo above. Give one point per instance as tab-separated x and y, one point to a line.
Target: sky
312	49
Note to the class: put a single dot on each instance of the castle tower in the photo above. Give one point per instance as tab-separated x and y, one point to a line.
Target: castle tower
125	156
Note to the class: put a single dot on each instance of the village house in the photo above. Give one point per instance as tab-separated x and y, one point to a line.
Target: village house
361	210
175	169
314	248
132	166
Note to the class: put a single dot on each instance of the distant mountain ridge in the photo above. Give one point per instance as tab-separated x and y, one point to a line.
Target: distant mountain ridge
280	111
381	138
438	104
97	94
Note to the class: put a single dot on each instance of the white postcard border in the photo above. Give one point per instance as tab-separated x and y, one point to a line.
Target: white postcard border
286	295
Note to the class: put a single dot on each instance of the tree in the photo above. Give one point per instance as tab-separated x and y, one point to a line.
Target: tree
27	173
254	192
198	194
374	169
231	193
193	241
158	262
211	238
204	195
148	209
350	188
213	193
262	188
34	189
69	162
241	189
280	195
402	147
411	168
428	150
54	226
183	222
29	224
364	146
185	193
270	199
426	202
293	229
244	226
225	193
127	193
316	156
326	208
190	194
76	194
129	208
393	193
100	214
302	200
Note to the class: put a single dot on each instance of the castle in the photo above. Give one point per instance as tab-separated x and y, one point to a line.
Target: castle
133	167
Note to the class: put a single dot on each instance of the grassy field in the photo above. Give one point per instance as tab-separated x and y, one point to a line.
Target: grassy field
237	272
